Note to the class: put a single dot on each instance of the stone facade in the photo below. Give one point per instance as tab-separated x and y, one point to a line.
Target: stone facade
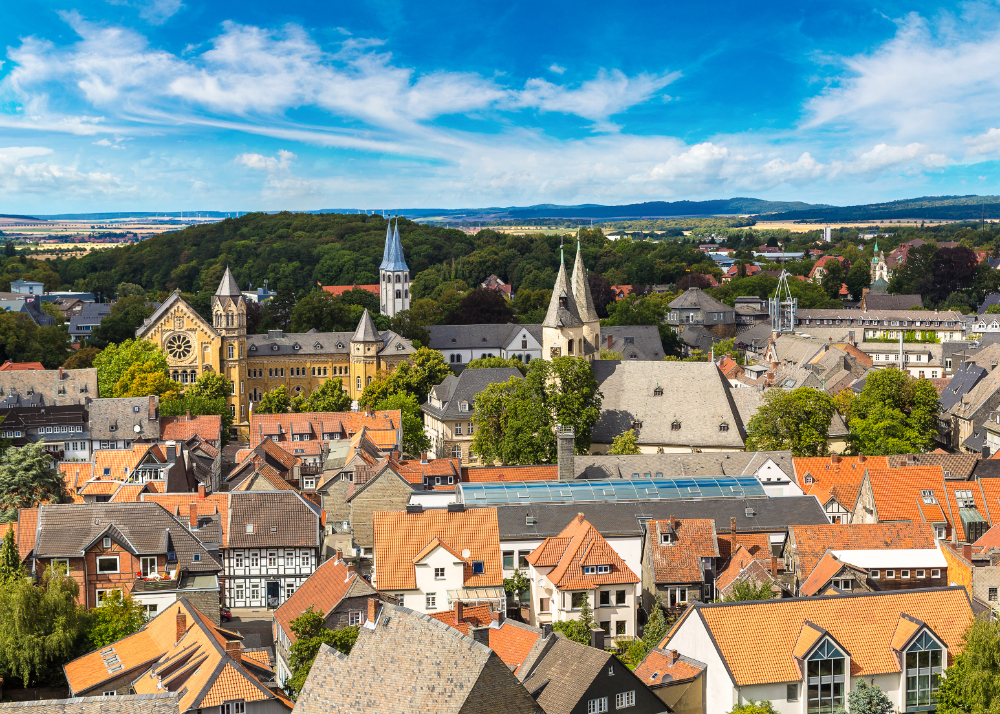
387	492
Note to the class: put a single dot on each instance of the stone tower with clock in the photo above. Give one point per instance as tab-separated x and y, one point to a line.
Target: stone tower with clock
229	318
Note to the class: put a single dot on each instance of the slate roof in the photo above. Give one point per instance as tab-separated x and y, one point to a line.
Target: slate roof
50	387
279	519
884	301
578	545
464	388
706	463
278	343
563	673
864	624
116	418
393	258
159	703
810	543
563	310
412	664
228	286
142	529
400	536
643	341
679	561
623	519
480	336
698	299
957	467
967	376
695	395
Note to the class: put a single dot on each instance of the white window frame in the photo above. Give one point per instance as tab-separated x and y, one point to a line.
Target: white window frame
143	561
430	601
439	574
108	557
354	618
255	559
64	561
238	560
935	573
597	706
255	591
272	559
623	700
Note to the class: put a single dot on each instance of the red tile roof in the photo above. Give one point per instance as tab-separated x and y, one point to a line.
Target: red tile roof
756	544
585	546
660	667
679	560
898	496
338	290
826	471
9	366
821	574
27	527
512	641
181	428
810	543
323	591
347	423
472	616
509	473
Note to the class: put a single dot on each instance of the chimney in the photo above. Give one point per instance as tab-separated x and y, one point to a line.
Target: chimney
201	490
911	459
566	438
611	341
372	609
459	611
732	526
60	374
423	457
234	649
350	567
672	524
597	639
187	415
986	452
774	565
193	515
340	555
862	458
480	635
834	458
181	624
498	618
546	629
967	551
674	656
152	407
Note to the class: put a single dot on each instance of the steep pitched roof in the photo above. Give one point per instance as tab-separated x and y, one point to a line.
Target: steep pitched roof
581	289
810	543
690	540
512	641
581	546
563	672
215	506
863	624
472	616
393	258
898	494
182	428
481	474
563	310
659	668
159	703
366	331
828	566
228	286
323	590
261	519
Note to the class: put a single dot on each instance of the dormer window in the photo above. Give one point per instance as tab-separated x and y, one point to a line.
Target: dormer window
596	569
666	538
658	392
928	496
463	406
723	426
675	425
453	340
825	678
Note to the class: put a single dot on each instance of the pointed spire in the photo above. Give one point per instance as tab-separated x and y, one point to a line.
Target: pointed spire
228	286
581	289
562	310
388	241
366	331
392	256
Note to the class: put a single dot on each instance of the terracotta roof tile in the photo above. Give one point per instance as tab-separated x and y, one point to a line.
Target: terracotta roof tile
75	474
472	616
322	590
897	492
826	472
27	531
512	641
863	624
549	553
756	544
905	628
232	684
808	636
112	463
811	543
659	668
259	656
821	574
989	539
735	565
129	492
179	504
509	473
399	536
679	560
351	423
100	488
266	472
182	428
567	574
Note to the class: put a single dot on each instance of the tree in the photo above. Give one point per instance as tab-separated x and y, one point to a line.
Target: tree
210	385
833	277
971	685
322	311
747	589
426	369
130	290
415	440
894	414
602	293
610	355
656	627
867	698
579	629
328	397
83	358
516	584
798	420
50	309
144	379
277	312
9	251
52	343
573	395
311	633
751	707
41	627
10	561
255	313
407	324
361	297
114	360
274	402
493	362
28	479
635	309
126	316
116	617
624	444
858	278
481	306
993	310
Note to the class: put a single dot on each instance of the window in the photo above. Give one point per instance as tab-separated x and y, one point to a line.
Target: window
304	559
577	600
238	707
354	617
890	574
939	532
478	568
625	699
439	573
920	573
249	527
904	574
255	591
611	670
508	560
597	706
923	672
458	428
605	597
149	611
825	679
289	590
619	597
359	383
110	694
106	542
107	564
272	559
875	575
928	496
935	573
61	563
102	594
456	452
792	692
431	601
544	604
620	628
237	560
992	595
148	565
254	559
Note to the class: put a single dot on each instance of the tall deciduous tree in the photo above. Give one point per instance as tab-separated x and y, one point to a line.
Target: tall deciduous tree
971	685
310	634
210	385
858	278
27	479
143	379
83	358
10	561
481	306
126	316
116	359
426	369
415	440
276	401
894	414
624	444
116	617
798	420
328	397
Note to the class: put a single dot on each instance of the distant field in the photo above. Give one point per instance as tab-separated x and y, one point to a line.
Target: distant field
806	227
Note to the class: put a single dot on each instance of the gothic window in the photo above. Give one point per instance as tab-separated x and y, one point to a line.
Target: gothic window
397	278
570	350
230	351
398	295
179	346
825	679
924	661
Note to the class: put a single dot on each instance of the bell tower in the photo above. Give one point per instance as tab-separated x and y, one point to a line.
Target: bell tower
394	274
229	318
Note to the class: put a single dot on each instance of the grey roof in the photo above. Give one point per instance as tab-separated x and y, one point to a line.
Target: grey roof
277	342
884	301
94	309
566	672
365	331
116	418
50	387
166	306
459	337
563	310
991	300
143	528
464	388
279	519
698	299
968	377
545	520
392	254
697	337
719	463
642	341
748	400
76	323
409	663
581	289
159	703
228	286
926	317
694	394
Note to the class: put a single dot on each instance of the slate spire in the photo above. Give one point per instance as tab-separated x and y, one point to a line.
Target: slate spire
228	286
581	289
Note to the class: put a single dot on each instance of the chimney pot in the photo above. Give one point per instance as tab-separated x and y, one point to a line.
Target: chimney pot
372	609
498	617
201	490
774	565
674	656
181	624
967	551
234	648
546	629
187	415
193	515
611	341
340	555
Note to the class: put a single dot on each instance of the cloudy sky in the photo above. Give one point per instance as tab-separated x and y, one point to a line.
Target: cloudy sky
187	105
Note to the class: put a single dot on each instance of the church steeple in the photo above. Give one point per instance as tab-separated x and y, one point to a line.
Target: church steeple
394	274
563	311
581	289
228	286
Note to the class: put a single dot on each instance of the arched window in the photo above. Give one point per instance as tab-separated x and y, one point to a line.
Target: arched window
456	452
570	347
184	377
398	295
825	679
218	320
924	660
397	278
406	293
230	351
175	376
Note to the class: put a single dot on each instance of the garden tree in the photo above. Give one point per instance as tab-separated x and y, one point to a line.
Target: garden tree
867	698
210	385
656	627
624	444
993	310
9	250
274	402
130	290
114	360
41	627
747	589
83	358
126	316
50	309
426	369
955	269
311	633
833	278
481	306
728	347
671	341
52	343
277	312
894	414
27	479
858	278
200	406
610	355
493	362
415	440
328	397
602	292
809	294
916	275
143	379
579	629
321	311
10	561
572	396
842	402
364	298
118	616
798	420
21	340
531	305
255	313
694	280
971	685
516	584
634	309
407	325
751	707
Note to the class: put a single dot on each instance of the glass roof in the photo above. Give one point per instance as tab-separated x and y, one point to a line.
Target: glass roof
609	490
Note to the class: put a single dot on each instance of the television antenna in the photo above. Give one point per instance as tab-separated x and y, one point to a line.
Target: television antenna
783	307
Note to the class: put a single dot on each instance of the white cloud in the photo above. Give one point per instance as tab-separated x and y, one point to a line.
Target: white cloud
20	176
279	162
986	143
609	93
557	69
159	11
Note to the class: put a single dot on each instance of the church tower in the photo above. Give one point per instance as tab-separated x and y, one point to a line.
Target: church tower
365	345
394	275
229	318
879	269
571	326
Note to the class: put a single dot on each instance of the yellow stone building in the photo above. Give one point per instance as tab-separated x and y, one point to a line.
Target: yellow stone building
255	364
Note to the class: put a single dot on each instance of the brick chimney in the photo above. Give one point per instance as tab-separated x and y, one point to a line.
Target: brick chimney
234	648
201	491
611	341
350	568
181	624
193	515
60	374
774	565
423	457
862	458
187	415
732	526
459	611
834	458
967	551
340	555
372	609
672	524
565	446
674	656
152	407
498	618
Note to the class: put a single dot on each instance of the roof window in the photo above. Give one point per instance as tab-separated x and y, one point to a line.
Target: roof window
928	496
249	527
675	425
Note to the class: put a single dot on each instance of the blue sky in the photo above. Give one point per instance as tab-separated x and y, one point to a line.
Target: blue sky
187	105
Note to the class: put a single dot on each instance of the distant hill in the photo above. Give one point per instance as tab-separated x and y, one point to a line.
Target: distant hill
926	207
663	209
19	218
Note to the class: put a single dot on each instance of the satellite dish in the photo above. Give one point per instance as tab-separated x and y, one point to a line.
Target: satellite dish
466	553
542	583
136	428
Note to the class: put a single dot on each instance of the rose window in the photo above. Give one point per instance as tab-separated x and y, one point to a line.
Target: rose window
179	346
